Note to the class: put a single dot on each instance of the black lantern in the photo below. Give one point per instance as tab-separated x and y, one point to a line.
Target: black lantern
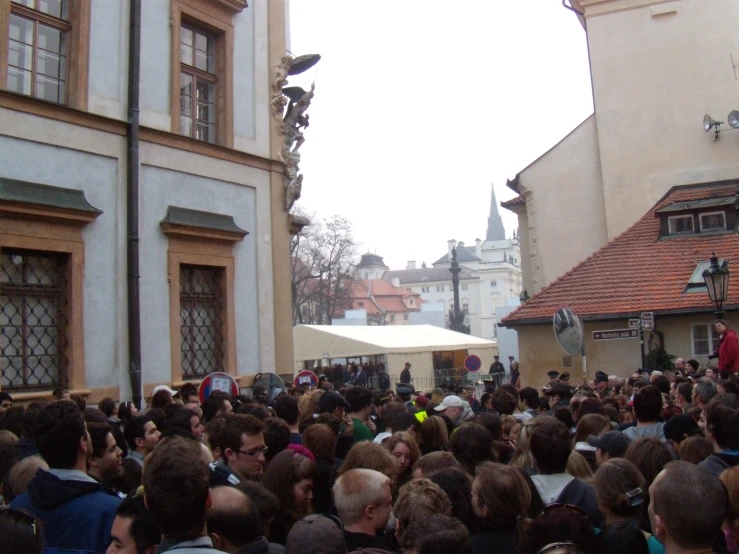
717	282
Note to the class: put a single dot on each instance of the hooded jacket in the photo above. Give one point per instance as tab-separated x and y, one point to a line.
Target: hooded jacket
78	513
654	431
728	352
718	462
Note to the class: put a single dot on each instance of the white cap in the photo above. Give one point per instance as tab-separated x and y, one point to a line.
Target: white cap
163	387
449	402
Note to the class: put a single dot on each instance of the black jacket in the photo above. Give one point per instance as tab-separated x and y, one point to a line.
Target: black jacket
582	494
717	463
495	541
405	376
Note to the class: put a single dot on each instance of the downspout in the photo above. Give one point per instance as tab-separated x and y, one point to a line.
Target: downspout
132	202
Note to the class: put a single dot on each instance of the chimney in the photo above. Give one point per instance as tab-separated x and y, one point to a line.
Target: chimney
478	248
460	244
396	282
451	243
411	264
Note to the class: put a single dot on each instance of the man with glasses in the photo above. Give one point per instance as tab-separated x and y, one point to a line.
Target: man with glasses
242	445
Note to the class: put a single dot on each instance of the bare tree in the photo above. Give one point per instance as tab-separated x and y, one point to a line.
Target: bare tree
323	266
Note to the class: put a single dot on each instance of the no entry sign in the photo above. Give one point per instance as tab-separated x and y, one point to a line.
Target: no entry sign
218	381
472	363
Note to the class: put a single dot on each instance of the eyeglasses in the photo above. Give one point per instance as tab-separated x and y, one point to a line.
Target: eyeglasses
254	453
558	506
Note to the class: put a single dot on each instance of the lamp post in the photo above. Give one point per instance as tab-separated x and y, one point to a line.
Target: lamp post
717	283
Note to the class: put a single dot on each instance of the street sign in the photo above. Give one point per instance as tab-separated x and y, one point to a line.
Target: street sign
218	381
616	334
472	363
306	378
647	320
634	323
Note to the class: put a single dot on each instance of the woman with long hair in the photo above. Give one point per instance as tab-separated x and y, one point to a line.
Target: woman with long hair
472	445
589	424
321	440
402	446
501	499
522	457
290	476
433	436
620	491
368	455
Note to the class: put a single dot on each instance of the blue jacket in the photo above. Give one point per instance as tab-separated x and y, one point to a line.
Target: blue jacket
77	514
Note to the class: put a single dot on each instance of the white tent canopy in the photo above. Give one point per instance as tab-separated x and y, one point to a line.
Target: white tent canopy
399	343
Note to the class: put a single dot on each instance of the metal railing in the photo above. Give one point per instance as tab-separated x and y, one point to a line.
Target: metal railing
455	377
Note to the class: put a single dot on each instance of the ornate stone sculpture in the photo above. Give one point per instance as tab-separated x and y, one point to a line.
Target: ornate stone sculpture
293	121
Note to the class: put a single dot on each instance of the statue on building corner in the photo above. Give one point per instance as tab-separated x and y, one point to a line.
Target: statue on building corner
292	121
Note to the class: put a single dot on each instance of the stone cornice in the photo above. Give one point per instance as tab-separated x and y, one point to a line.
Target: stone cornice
593	8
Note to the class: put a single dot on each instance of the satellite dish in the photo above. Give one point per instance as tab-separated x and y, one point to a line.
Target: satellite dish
270	383
734	119
303	63
568	331
709	123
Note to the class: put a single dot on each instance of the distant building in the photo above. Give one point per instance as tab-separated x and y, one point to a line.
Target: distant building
491	272
385	303
371	266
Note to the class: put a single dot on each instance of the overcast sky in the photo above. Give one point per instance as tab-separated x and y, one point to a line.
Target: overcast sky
420	105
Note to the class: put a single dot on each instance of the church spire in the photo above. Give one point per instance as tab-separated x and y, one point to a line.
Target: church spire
496	231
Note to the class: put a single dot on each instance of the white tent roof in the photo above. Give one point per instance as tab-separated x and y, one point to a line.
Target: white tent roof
311	342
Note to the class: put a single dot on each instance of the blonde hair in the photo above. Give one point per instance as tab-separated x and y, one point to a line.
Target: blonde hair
305	407
410	442
578	466
368	455
418	500
730	478
522	456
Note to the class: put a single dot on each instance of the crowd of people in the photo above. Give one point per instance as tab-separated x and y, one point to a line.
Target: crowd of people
648	464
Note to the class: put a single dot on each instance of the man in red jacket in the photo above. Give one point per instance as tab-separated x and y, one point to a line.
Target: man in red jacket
728	349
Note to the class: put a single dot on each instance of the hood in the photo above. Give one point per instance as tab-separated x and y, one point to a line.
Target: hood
48	491
655	431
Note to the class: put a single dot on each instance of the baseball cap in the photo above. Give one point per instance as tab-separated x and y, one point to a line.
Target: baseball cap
449	402
330	401
316	534
163	387
680	425
613	443
438	391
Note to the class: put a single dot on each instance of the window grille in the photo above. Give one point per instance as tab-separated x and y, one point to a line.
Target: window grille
201	320
33	319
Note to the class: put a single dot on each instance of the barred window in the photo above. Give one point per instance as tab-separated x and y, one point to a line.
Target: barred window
201	320
38	49
33	319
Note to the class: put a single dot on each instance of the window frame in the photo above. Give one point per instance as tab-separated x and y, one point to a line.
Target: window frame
78	48
209	18
703	214
672	218
712	344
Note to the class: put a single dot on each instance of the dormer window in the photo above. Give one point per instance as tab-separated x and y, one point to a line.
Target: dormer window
680	224
706	216
713	221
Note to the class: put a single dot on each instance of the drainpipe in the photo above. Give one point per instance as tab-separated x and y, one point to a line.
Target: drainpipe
132	202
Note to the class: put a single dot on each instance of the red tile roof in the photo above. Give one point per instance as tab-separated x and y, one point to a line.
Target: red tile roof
385	296
638	272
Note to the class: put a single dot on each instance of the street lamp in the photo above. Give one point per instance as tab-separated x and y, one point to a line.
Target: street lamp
717	283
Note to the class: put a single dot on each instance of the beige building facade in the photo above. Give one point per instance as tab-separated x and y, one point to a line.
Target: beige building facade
657	67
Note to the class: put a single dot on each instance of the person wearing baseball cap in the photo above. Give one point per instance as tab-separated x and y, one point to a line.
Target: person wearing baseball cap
612	444
452	407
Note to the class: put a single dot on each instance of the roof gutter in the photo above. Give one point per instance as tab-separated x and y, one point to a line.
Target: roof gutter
613	317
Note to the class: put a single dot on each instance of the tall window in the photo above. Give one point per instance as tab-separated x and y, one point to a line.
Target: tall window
201	320
705	339
33	319
38	48
198	83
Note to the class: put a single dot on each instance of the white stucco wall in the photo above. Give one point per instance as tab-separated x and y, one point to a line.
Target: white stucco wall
98	174
654	77
564	205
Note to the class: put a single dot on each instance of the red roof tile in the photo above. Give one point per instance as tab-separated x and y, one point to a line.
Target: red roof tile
637	272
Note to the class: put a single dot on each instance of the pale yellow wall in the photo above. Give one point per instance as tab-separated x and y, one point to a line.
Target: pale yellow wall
524	240
565	208
540	353
654	77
